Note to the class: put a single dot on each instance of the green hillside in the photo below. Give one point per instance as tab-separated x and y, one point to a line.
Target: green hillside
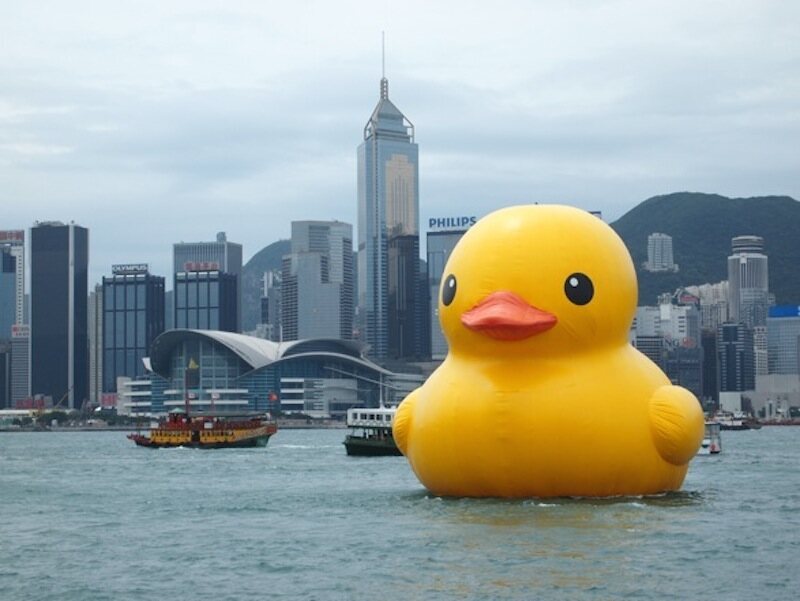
701	226
267	259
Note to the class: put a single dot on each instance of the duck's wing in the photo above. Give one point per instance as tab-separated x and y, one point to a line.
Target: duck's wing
676	422
402	421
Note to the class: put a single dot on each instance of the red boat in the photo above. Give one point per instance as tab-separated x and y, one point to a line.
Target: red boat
180	429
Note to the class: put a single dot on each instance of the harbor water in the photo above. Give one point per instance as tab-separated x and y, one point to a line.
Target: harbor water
89	516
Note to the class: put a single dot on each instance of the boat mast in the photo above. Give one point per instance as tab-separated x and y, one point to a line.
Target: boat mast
191	367
186	390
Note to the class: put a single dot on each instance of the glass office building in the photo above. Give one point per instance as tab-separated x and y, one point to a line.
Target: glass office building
388	211
440	245
206	300
243	373
219	255
783	339
133	315
59	320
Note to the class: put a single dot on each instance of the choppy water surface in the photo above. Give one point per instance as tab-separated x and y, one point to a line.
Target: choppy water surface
87	516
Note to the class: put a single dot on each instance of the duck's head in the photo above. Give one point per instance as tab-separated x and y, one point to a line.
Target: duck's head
540	280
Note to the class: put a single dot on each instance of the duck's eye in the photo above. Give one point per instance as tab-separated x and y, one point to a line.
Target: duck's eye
579	288
449	290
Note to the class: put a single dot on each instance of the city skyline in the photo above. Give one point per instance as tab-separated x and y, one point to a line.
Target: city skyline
166	123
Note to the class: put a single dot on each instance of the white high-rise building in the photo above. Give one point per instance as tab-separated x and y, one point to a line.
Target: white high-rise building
748	279
659	253
713	304
677	324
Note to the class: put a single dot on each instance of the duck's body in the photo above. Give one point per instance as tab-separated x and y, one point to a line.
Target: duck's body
511	416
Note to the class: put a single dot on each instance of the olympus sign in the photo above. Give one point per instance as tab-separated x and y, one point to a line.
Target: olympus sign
129	268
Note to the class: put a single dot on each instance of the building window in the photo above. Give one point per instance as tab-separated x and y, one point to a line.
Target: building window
180	299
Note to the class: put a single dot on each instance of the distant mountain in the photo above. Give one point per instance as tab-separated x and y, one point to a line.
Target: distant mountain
267	259
701	226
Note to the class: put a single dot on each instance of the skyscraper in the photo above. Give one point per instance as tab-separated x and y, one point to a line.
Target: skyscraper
317	281
12	253
133	315
95	333
59	344
205	299
659	253
748	281
735	357
388	232
439	245
271	302
222	256
12	316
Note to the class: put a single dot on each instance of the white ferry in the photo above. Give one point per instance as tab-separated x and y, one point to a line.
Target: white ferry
371	432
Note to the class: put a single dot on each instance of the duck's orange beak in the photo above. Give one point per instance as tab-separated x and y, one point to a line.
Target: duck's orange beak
505	316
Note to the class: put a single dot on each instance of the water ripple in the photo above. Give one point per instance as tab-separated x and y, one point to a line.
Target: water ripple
88	516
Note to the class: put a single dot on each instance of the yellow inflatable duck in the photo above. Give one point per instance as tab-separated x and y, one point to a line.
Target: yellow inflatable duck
541	394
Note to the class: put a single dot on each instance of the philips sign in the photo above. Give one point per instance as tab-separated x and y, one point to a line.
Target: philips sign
451	223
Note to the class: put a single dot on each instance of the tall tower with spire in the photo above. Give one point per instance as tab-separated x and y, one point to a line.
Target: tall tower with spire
389	307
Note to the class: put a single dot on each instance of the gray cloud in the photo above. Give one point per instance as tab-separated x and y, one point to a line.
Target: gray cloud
163	123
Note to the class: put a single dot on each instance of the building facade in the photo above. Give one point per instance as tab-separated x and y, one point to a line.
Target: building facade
713	303
206	300
133	315
20	363
317	281
243	373
659	253
748	281
95	333
271	306
12	309
220	255
670	336
736	359
440	245
12	253
388	217
59	321
783	336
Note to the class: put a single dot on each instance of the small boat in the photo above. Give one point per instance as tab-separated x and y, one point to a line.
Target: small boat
736	420
371	432
712	442
205	431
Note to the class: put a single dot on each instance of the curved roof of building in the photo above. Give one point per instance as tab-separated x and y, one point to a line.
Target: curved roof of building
256	352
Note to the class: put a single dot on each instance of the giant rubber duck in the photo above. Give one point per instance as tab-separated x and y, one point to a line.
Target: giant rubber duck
541	393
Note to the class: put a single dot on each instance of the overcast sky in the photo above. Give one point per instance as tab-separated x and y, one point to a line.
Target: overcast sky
165	121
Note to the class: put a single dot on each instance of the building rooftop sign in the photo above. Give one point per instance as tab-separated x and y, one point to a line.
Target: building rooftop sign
201	266
128	269
441	224
784	311
12	236
20	331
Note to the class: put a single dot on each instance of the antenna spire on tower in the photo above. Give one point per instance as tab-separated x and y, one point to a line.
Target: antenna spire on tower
384	81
